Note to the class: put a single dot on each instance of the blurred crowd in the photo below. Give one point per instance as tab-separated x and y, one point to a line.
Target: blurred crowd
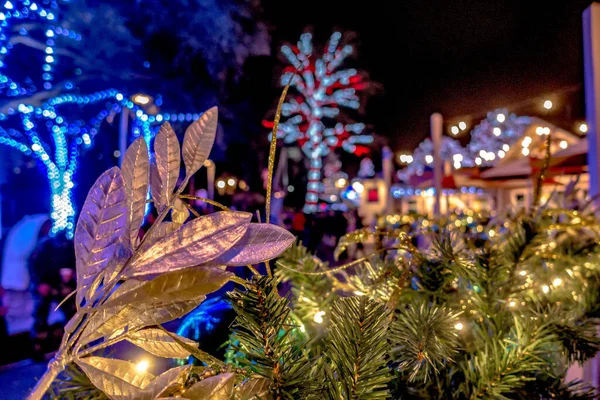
43	264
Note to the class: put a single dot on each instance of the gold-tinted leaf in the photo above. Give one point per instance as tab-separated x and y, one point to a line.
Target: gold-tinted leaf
105	322
166	384
254	388
136	173
162	230
159	343
102	222
260	243
198	141
168	160
218	387
118	379
195	243
174	286
179	213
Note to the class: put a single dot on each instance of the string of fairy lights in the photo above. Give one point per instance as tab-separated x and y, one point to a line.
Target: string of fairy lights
490	140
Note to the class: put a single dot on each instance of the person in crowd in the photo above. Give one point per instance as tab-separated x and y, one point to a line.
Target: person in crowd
298	222
51	255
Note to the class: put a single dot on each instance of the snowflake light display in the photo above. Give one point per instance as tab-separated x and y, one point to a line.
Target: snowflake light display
312	114
493	137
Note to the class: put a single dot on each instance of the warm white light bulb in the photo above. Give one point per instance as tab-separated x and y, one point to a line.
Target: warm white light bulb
428	158
454	130
462	125
358	187
563	144
557	282
459	326
497	131
545	288
547	104
142	366
583	128
318	318
500	117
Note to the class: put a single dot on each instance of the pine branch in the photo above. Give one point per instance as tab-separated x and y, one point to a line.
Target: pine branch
578	338
423	339
504	366
357	347
268	342
311	293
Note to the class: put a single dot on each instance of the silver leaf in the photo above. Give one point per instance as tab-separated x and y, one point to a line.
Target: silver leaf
218	387
197	242
253	388
118	379
168	160
169	381
174	286
136	172
107	321
102	221
198	141
159	343
157	233
158	196
260	243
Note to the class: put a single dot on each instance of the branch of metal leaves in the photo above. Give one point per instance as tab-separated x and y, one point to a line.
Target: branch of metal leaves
127	287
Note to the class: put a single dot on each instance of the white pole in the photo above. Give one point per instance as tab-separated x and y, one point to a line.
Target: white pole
591	58
388	168
210	180
123	130
436	137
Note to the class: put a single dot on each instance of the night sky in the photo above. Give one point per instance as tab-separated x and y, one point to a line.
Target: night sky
457	57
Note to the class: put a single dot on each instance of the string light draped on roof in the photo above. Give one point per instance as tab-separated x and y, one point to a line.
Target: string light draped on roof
493	137
451	151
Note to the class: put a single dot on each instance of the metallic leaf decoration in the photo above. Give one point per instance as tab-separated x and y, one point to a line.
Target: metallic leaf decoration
122	254
180	212
167	383
101	223
197	242
218	387
118	379
135	316
254	388
168	160
157	233
260	243
158	197
136	172
174	286
159	343
198	141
